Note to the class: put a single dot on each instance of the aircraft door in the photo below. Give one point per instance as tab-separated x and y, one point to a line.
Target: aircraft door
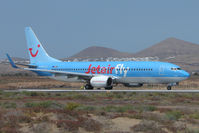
162	70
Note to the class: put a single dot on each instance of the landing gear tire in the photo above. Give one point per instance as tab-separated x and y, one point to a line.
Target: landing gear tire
168	87
109	88
88	87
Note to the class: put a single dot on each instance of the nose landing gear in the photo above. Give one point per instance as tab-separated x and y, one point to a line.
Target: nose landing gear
172	84
169	87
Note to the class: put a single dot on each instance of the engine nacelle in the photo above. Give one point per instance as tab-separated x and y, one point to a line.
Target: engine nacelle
101	81
133	85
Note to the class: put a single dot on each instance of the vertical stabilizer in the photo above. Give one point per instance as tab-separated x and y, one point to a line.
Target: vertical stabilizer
36	51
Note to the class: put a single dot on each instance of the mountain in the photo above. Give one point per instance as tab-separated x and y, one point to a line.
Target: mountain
100	52
182	53
170	47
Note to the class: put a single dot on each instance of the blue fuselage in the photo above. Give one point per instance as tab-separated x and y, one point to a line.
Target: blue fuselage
125	70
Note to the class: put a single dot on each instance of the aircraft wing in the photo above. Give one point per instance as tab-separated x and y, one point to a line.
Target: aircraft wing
60	72
83	76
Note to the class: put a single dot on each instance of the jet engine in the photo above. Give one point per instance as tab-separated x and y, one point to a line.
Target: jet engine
101	81
133	84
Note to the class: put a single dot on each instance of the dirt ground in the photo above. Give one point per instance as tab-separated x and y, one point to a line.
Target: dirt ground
107	112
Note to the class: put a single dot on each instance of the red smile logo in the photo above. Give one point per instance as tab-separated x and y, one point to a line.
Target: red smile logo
34	55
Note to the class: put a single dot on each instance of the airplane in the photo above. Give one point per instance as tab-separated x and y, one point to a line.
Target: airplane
99	74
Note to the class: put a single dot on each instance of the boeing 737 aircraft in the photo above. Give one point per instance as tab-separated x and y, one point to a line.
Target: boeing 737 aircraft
100	74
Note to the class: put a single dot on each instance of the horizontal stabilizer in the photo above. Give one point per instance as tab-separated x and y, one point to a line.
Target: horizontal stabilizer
11	61
14	65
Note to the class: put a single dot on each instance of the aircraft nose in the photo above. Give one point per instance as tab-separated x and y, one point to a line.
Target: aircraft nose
186	74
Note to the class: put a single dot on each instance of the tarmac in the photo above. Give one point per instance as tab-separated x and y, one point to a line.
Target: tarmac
137	91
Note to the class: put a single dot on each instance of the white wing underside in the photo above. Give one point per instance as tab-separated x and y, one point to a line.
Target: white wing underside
60	72
74	74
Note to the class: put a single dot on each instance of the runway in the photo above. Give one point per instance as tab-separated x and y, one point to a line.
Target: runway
137	91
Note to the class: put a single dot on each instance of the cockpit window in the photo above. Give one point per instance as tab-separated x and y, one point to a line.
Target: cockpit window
175	69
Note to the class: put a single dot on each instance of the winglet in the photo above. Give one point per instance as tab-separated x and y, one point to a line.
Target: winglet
11	61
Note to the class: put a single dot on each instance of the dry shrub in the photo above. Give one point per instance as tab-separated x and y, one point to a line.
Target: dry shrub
73	120
136	115
41	128
88	124
10	121
68	125
177	127
148	127
37	109
163	110
43	118
91	125
25	119
1	119
117	132
68	119
101	113
9	130
173	115
67	115
180	126
72	106
154	117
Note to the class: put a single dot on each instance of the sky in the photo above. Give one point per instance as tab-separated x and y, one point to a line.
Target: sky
64	27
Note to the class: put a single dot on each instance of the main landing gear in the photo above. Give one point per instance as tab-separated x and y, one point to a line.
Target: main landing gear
88	87
109	88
